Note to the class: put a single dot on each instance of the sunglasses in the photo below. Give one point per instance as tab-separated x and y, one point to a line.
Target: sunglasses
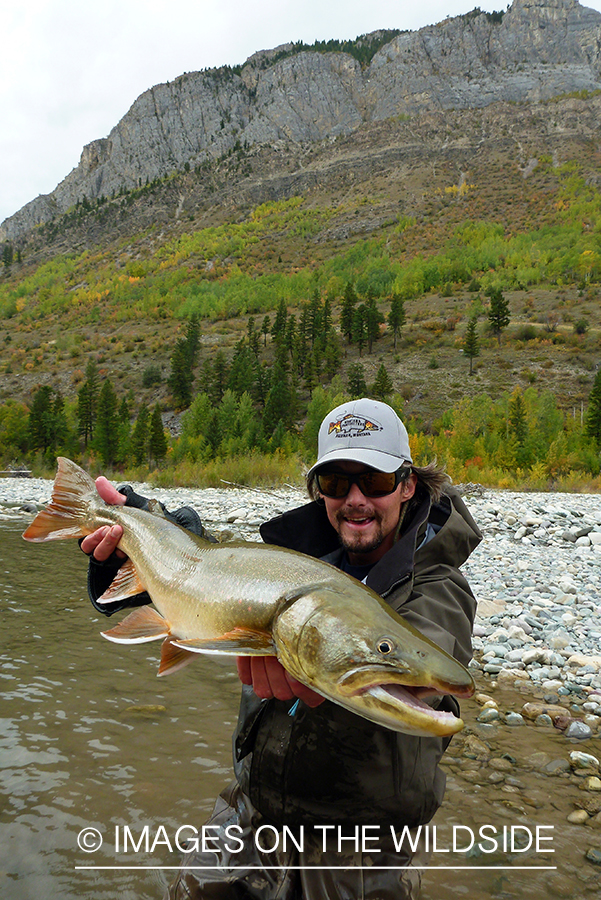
371	483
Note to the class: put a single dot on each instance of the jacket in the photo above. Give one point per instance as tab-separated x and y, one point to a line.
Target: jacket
326	765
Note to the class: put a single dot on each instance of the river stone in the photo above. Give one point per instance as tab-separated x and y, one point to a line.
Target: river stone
580	760
514	718
557	767
474	748
591	783
499	764
533	709
578	817
489	714
543	721
578	730
594	856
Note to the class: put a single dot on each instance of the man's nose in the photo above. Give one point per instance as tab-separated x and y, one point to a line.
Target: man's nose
355	495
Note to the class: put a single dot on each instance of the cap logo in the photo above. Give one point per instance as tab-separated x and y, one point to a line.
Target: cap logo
353	426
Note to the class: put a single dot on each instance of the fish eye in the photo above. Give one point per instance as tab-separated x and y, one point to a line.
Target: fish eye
385	646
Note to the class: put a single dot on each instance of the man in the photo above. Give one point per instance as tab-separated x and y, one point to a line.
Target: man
300	760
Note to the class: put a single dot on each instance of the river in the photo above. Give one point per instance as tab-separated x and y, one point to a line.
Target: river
91	739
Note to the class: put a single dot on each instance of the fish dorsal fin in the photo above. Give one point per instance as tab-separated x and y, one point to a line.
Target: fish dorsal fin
238	642
173	658
126	583
145	623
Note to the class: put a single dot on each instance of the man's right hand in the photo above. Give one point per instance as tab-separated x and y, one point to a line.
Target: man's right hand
102	543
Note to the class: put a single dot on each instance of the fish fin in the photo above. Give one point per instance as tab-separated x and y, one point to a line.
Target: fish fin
155	507
126	583
173	658
145	623
238	642
65	515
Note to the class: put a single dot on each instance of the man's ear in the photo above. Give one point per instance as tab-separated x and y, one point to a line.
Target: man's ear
408	487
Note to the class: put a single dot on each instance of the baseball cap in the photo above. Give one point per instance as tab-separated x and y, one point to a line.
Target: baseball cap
364	431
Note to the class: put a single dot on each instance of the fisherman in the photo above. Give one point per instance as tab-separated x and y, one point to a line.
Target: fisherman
301	761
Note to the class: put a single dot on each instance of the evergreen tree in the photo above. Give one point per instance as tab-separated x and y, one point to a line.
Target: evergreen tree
7	256
279	404
357	387
106	436
47	424
278	329
139	438
183	362
498	313
347	311
87	399
593	413
219	377
157	442
382	386
396	316
332	354
360	327
266	328
241	374
373	320
471	344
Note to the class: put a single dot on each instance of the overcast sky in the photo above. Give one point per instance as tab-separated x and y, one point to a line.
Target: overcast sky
70	69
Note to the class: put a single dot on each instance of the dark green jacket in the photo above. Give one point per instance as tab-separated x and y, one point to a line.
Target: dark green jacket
327	765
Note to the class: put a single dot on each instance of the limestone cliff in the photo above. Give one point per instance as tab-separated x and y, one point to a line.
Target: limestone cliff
538	49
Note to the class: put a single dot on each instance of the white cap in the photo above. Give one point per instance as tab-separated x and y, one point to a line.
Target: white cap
364	431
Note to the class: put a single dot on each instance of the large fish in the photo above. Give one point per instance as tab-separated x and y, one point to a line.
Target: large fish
327	629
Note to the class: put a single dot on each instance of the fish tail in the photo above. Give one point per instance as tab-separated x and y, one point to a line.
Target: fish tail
66	514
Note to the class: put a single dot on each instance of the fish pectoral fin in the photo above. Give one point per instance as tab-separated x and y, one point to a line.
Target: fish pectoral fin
173	658
143	624
238	642
126	583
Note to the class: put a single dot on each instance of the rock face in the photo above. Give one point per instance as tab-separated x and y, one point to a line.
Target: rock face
538	49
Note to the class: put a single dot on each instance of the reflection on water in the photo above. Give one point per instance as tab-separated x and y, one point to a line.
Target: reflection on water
89	737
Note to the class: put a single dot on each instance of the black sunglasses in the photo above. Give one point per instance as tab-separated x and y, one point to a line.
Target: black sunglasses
371	483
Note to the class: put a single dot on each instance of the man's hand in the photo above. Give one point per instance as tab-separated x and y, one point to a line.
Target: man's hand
103	542
270	679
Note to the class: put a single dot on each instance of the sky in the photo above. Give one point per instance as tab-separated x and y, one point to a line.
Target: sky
70	69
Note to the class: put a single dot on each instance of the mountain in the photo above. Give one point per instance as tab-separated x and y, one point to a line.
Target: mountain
282	103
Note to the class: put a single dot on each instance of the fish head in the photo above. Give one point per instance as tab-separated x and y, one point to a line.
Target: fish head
352	648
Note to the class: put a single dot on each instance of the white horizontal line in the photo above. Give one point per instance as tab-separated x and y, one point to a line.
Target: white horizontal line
325	868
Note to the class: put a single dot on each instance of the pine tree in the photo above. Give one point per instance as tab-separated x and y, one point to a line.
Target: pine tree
106	437
593	413
373	320
266	328
382	386
357	387
360	327
396	316
41	420
347	311
139	438
471	344
87	399
498	313
278	329
157	442
279	404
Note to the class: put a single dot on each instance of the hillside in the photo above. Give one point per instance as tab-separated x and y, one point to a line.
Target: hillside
436	206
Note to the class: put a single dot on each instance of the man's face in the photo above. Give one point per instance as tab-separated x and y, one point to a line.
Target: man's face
366	525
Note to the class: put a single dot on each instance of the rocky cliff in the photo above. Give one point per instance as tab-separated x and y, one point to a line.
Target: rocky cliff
538	49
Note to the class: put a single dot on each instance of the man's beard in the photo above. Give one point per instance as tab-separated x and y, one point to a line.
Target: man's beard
357	543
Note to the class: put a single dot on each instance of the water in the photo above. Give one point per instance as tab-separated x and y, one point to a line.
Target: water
90	738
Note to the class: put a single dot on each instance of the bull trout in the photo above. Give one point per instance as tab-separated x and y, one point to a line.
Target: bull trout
242	598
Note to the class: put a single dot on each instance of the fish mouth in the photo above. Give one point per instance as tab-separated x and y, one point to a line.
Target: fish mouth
416	716
360	681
